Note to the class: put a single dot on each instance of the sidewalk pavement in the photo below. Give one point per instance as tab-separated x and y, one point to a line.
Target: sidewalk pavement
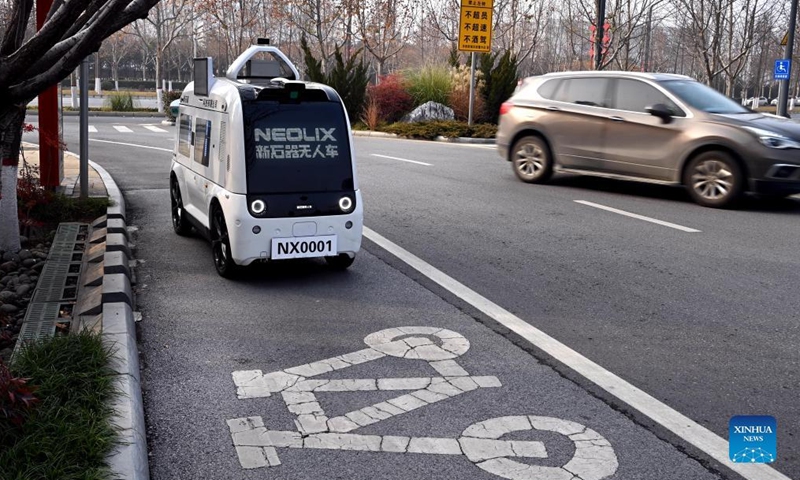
70	185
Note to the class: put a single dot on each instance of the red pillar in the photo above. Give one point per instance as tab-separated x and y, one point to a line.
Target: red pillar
49	170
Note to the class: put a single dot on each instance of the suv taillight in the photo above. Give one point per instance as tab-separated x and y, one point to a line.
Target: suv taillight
506	107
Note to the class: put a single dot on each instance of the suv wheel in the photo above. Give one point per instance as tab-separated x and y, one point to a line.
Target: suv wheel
714	179
221	245
532	160
179	223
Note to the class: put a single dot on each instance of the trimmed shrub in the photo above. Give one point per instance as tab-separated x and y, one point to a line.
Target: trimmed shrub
169	97
444	128
429	84
119	102
391	97
501	80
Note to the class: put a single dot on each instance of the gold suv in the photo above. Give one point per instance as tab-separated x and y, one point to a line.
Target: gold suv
658	128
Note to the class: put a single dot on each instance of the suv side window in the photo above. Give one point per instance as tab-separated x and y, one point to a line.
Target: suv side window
636	96
584	91
548	89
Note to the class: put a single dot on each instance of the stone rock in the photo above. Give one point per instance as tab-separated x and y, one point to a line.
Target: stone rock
430	111
24	279
8	266
23	290
38	267
29	262
8	308
8	297
8	256
24	254
6	353
40	255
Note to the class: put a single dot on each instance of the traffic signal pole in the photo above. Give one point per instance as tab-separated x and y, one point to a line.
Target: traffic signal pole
49	155
783	95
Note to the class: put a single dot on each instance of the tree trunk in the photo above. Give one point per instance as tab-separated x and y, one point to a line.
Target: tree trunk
11	119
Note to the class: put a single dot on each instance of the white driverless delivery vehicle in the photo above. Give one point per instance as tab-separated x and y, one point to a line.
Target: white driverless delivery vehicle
264	165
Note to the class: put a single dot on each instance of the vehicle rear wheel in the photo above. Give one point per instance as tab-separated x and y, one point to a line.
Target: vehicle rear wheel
532	160
340	262
221	245
714	179
179	222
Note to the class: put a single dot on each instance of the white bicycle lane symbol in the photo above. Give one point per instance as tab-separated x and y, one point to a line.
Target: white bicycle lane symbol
481	442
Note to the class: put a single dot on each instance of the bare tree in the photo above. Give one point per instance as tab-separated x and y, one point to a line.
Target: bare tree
29	65
385	27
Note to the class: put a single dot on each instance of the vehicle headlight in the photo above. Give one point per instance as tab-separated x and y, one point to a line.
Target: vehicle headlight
773	139
346	204
258	207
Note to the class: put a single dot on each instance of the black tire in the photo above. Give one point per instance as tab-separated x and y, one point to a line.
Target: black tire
532	159
714	179
221	245
179	222
340	262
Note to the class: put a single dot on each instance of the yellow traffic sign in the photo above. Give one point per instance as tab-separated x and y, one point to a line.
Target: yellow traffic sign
475	27
785	40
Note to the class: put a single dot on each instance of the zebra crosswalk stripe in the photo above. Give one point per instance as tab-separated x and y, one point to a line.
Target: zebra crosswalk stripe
122	129
154	129
92	129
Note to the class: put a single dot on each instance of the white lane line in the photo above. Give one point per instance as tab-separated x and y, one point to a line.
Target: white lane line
92	129
639	217
122	129
154	129
403	160
669	418
131	145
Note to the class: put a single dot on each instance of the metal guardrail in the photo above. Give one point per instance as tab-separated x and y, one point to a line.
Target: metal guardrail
53	301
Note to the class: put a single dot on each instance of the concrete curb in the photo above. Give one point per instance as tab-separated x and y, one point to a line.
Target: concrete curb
129	460
478	141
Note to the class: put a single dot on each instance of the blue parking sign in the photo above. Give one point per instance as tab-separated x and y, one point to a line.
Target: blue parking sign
782	69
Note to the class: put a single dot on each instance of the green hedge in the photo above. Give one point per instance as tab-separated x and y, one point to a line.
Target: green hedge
444	128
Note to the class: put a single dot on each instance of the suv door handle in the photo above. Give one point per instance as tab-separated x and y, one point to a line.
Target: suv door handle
616	118
553	109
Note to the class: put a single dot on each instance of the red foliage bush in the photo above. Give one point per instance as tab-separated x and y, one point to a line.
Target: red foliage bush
392	98
15	396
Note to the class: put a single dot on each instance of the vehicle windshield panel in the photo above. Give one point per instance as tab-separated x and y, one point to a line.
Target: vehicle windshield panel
703	97
293	148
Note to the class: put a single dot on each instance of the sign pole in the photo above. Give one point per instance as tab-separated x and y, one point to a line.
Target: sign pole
49	159
84	126
471	88
783	96
599	33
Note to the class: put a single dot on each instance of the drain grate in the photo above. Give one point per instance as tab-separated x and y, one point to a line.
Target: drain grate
42	320
56	291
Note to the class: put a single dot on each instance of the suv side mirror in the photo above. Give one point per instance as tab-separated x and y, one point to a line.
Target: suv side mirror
661	111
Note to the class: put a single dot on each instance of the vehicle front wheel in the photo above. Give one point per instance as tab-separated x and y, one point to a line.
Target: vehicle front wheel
532	160
714	179
179	222
221	245
341	261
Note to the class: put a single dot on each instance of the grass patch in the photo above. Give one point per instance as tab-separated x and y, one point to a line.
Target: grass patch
68	434
61	208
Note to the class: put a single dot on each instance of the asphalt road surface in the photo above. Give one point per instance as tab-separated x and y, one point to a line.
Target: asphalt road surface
697	307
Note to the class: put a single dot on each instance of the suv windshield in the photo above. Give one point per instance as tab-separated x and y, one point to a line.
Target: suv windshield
703	97
293	148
